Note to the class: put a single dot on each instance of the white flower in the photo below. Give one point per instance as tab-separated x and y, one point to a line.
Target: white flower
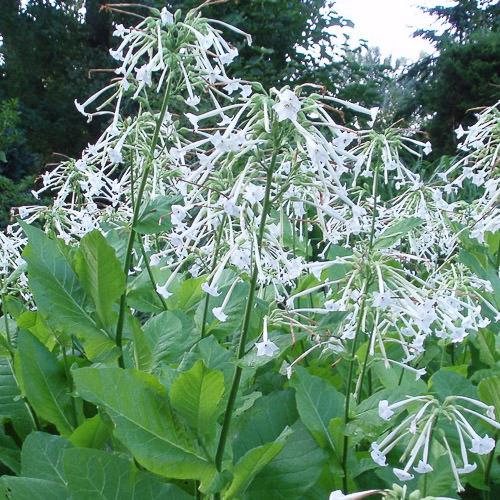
162	290
193	101
115	155
211	290
231	208
482	445
403	475
384	410
423	467
338	495
288	105
467	468
266	348
166	17
254	193
378	457
228	57
219	314
427	148
120	31
460	132
246	91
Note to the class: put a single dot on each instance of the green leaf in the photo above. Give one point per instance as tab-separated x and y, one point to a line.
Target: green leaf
253	462
291	473
169	335
446	383
155	216
27	488
317	402
394	233
93	433
42	456
138	405
100	274
58	294
489	392
10	455
45	383
12	407
95	474
265	421
196	395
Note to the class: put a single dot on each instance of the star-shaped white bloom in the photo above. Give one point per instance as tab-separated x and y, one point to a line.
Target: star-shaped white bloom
219	314
162	290
288	106
403	475
266	348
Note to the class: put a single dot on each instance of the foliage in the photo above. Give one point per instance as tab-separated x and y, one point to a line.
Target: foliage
469	46
232	295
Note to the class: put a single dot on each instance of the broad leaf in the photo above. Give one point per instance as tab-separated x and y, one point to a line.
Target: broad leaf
93	433
100	274
265	421
291	473
58	294
196	395
27	488
45	383
253	462
95	474
12	407
138	405
42	456
10	454
317	402
489	392
168	334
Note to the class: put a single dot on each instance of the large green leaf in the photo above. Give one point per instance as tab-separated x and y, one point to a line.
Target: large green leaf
253	462
144	420
489	392
45	383
42	456
264	421
12	407
93	433
59	295
28	488
446	383
291	473
317	402
196	395
100	274
98	474
168	334
10	455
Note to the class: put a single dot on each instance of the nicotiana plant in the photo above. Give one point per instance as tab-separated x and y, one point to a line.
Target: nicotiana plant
232	295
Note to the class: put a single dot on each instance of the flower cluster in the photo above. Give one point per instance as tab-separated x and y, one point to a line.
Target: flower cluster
420	426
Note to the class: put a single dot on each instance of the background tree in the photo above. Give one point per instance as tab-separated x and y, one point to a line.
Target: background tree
465	74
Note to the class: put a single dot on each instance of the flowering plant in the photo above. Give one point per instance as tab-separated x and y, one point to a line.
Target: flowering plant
234	296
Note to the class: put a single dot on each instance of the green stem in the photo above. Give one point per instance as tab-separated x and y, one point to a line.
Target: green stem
345	451
246	322
150	274
365	363
135	217
349	387
212	267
